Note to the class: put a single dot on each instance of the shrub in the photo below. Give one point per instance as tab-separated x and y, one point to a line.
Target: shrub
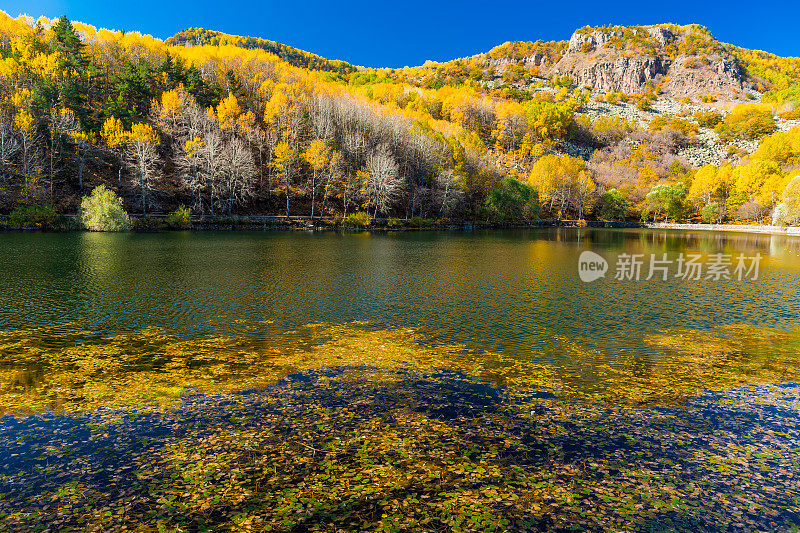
683	126
783	148
612	206
181	218
790	208
713	213
645	103
419	222
607	130
549	121
708	119
362	219
708	99
147	223
512	201
36	216
748	122
393	222
102	211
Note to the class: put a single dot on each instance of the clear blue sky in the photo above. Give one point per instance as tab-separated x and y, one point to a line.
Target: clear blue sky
395	34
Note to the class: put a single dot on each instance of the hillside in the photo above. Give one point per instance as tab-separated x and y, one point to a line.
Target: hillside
677	61
614	123
293	56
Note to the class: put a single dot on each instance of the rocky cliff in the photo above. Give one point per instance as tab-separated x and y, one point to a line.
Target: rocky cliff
682	61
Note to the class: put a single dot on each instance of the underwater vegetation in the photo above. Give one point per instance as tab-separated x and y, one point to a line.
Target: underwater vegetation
355	428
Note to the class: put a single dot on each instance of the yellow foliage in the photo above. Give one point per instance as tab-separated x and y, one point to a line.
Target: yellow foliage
228	112
317	154
172	102
710	181
782	148
23	121
21	98
113	133
144	134
758	180
554	174
193	146
283	155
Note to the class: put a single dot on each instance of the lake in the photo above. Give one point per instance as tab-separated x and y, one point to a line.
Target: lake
240	331
508	291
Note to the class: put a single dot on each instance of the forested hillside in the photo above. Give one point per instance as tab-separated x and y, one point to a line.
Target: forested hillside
608	125
293	56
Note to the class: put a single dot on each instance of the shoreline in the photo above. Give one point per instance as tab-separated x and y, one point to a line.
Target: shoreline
300	223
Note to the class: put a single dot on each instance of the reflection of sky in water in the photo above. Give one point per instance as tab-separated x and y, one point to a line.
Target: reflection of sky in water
512	291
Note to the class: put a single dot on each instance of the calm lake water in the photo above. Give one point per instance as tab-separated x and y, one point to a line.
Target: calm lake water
508	292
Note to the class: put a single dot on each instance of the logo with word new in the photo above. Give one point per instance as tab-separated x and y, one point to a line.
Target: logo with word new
591	266
691	267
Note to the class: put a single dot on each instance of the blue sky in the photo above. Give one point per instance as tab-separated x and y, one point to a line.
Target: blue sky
395	34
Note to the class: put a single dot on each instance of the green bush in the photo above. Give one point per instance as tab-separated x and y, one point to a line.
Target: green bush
612	206
666	200
181	218
102	211
394	223
419	222
147	223
362	219
33	216
713	213
512	201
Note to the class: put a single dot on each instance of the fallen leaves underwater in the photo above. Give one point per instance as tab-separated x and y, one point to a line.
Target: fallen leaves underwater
354	428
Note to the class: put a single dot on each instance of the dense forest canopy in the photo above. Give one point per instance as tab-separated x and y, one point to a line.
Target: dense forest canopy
241	126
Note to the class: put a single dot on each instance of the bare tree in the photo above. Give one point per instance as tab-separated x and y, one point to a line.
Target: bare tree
449	191
212	165
384	183
8	148
238	171
142	156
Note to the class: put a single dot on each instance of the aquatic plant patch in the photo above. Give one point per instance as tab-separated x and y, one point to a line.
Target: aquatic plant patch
371	449
67	369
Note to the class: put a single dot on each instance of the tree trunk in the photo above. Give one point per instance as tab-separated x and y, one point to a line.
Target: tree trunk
80	172
52	147
286	181
313	192
325	197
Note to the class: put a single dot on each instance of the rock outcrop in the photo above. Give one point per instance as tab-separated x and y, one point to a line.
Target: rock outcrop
681	60
631	60
606	72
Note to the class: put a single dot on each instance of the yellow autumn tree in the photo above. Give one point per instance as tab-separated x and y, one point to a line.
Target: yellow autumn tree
114	136
228	112
316	155
562	181
284	157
